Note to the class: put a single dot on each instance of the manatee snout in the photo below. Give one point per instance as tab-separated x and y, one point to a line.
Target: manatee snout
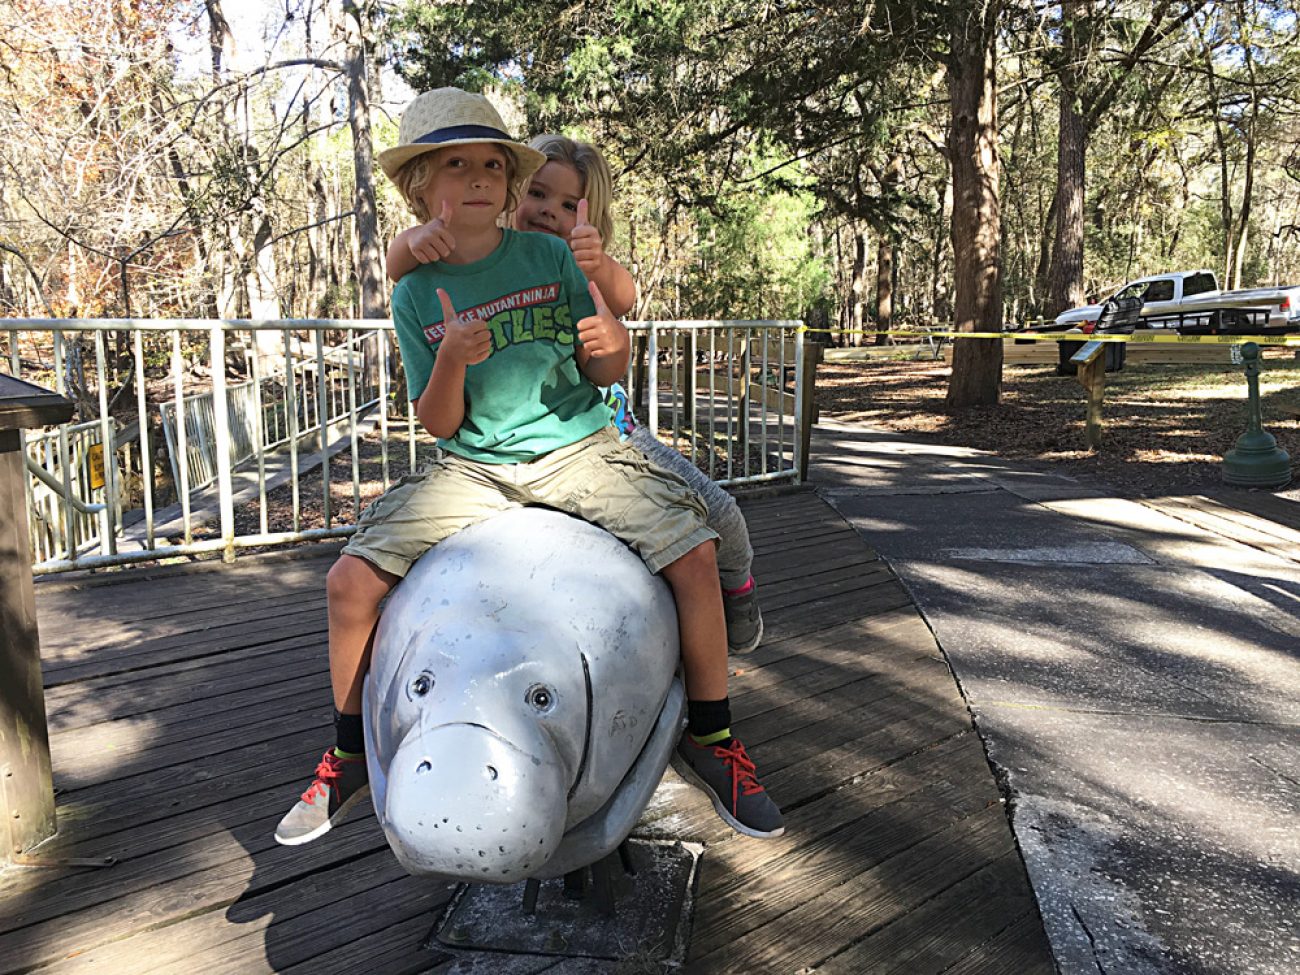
463	801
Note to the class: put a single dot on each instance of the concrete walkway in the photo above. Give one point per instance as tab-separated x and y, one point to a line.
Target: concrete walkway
1136	681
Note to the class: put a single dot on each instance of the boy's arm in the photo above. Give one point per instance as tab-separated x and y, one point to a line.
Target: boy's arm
605	350
441	407
424	244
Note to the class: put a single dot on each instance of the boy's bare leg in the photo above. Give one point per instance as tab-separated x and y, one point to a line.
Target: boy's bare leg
709	754
355	588
700	619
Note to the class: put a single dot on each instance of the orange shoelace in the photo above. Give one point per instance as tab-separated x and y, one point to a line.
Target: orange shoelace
743	774
327	773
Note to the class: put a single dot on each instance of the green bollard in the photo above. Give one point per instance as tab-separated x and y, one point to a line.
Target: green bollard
1256	460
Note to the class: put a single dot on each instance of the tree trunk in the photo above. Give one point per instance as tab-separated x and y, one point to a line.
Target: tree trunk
369	264
858	289
884	289
976	219
886	253
1065	276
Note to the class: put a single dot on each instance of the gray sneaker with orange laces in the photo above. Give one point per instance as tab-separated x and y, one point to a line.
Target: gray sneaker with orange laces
727	776
339	785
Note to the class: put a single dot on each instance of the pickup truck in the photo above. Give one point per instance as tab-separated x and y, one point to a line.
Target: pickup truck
1191	302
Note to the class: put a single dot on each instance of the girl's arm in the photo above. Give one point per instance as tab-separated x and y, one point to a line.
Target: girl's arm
616	284
613	279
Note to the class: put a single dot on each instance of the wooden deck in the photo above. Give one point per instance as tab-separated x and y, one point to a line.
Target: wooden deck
188	705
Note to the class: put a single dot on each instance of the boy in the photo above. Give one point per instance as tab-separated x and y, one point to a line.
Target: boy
504	344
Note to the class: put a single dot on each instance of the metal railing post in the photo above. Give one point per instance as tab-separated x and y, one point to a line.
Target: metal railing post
221	421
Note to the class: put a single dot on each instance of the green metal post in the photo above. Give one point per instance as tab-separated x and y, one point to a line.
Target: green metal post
1256	460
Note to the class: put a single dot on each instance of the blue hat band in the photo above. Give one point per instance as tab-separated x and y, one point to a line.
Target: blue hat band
454	132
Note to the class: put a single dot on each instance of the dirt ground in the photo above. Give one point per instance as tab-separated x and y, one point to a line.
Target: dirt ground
1166	427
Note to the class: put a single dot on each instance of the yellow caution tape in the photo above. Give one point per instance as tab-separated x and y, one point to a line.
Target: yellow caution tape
1139	339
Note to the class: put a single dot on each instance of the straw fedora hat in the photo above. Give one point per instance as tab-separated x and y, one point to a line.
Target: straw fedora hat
451	117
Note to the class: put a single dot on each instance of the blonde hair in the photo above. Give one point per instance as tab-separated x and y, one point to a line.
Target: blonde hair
590	165
415	173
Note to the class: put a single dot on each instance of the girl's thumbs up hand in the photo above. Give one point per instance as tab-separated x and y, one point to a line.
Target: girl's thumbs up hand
586	243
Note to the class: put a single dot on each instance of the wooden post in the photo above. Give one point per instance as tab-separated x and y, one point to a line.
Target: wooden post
1091	360
26	785
812	355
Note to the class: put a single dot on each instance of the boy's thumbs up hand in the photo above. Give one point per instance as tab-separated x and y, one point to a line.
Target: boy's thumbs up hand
602	335
434	240
586	243
467	343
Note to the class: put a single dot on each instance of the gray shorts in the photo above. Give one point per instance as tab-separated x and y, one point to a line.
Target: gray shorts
598	479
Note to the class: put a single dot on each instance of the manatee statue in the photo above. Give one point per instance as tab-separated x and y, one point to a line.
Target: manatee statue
521	705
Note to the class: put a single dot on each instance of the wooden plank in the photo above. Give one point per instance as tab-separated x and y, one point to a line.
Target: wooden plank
819	926
1020	948
772	573
212	668
180	803
130	734
171	649
826	584
939	932
81	706
853	650
1238	523
821	614
776	649
736	896
813	760
162	888
262	925
178	589
304	937
395	950
100	633
1278	511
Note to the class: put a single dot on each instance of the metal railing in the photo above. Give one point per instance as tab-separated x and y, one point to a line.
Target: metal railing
251	464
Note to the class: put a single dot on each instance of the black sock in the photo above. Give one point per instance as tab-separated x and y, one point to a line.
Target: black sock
705	718
349	734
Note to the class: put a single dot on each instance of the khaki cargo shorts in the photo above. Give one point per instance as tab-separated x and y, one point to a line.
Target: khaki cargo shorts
599	479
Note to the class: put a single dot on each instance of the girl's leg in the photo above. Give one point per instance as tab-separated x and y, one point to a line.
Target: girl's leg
735	556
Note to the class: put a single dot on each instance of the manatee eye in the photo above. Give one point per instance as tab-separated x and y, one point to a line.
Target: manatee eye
422	685
541	698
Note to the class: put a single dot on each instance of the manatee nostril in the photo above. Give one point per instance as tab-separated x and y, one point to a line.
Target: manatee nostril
425	766
492	773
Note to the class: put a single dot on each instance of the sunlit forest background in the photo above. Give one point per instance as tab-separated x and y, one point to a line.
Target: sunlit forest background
167	158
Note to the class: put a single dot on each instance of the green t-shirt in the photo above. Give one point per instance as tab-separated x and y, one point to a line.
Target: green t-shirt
528	397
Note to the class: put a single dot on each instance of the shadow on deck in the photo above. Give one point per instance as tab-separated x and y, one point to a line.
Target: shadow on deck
188	704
